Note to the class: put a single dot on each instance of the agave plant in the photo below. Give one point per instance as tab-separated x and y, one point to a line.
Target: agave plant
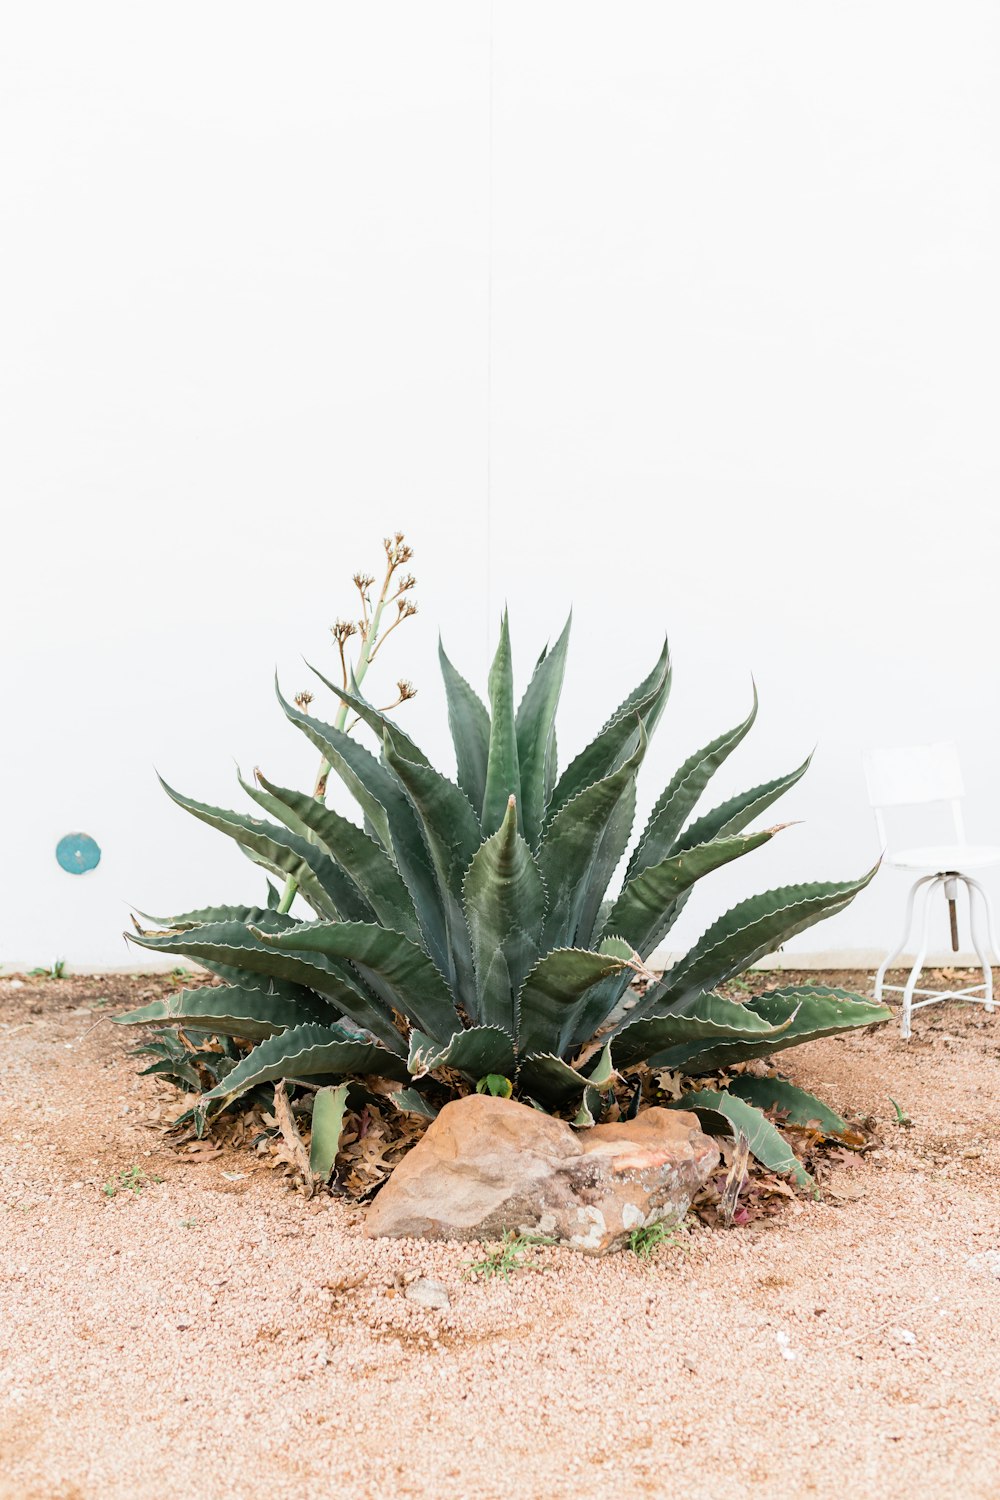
463	934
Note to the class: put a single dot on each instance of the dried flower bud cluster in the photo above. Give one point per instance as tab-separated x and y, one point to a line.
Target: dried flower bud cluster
397	550
363	581
406	608
406	690
303	700
343	630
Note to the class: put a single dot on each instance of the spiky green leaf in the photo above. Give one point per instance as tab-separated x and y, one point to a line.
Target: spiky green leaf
327	1128
535	730
307	1052
650	697
709	1021
238	947
554	992
412	1102
798	1106
451	832
551	768
372	786
394	967
260	916
732	816
647	907
747	932
470	730
590	1110
352	903
502	772
504	908
365	861
598	1006
269	984
581	848
175	1070
376	720
228	1011
614	741
389	815
802	1013
723	1114
552	1081
474	1052
677	800
321	881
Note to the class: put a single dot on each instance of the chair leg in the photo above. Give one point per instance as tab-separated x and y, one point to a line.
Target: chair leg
977	894
907	927
918	963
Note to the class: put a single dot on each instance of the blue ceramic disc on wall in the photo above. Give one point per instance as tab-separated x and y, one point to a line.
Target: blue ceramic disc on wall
78	852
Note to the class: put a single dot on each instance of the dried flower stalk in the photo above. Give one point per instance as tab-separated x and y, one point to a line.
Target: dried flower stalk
369	634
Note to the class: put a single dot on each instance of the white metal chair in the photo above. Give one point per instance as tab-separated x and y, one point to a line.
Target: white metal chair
916	776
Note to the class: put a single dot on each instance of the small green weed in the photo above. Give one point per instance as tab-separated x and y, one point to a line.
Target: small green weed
510	1254
902	1118
495	1084
131	1179
647	1239
57	971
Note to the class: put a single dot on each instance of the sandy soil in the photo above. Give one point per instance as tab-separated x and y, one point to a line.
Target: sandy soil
217	1335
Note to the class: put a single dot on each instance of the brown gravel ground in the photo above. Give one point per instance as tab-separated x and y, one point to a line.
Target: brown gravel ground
217	1335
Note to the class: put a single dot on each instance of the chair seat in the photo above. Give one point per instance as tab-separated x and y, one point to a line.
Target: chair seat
942	857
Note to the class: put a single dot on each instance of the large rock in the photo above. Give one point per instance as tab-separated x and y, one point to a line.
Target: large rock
488	1165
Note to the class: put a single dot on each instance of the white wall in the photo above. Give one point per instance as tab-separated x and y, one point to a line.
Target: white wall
745	322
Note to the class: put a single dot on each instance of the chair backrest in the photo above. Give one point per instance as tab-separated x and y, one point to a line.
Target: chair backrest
915	775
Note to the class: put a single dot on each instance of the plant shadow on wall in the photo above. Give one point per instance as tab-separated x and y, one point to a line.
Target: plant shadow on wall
464	937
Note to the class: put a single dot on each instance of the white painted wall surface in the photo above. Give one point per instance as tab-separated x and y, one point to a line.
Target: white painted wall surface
744	387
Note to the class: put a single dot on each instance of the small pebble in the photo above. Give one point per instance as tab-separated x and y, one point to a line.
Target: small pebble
427	1293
